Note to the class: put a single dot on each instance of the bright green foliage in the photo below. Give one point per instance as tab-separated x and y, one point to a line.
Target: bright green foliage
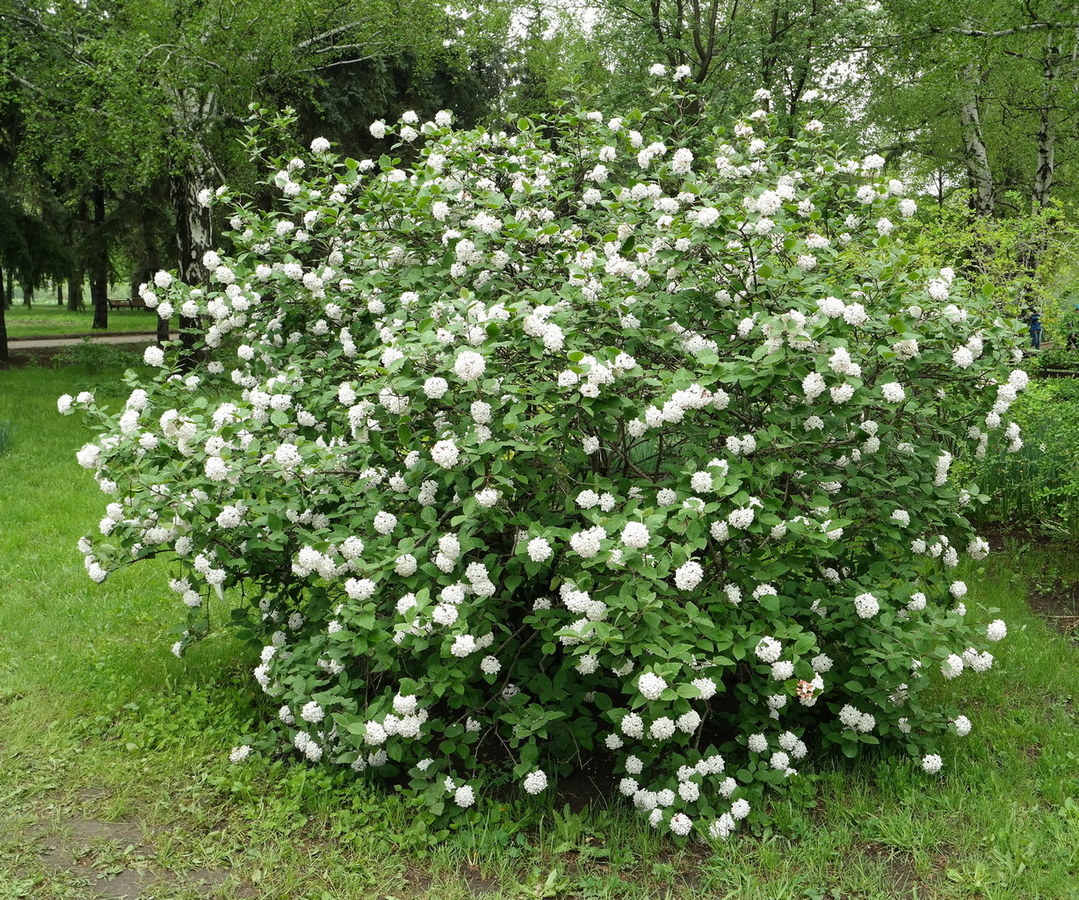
1026	262
1039	487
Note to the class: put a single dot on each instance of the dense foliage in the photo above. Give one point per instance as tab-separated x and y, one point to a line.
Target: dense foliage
573	440
1037	489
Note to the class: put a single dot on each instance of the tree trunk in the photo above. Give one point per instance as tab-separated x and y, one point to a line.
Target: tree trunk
99	263
59	292
153	263
1044	168
9	297
74	292
3	320
975	156
27	295
193	236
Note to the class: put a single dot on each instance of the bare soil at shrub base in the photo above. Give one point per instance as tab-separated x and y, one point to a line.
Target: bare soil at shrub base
1057	601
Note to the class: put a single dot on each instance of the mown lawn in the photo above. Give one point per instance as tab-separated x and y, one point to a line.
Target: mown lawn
114	775
45	320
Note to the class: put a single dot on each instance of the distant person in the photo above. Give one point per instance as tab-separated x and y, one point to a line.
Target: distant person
1035	330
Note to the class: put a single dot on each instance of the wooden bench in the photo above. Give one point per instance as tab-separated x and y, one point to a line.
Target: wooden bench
135	303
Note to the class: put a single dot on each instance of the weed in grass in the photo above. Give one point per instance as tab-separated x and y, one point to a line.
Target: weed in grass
6	435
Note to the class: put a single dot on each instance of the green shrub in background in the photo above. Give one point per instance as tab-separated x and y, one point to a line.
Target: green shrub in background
1028	261
93	356
1038	487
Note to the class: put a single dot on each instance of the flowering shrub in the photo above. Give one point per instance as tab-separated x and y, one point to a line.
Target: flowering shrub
574	440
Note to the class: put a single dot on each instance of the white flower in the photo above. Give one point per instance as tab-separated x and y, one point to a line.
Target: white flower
688	575
635	535
701	482
535	781
469	365
689	791
893	392
587	543
813	385
782	670
841	393
721	828
288	456
963	358
952	667
385	522
689	722
682	161
446	454
996	630
681	824
464	796
707	216
312	712
539	550
932	763
405	565
768	649
705	686
587	499
239	754
154	356
404	704
487	497
866	605
651	686
320	145
489	665
463	645
435	388
632	726
962	726
662	729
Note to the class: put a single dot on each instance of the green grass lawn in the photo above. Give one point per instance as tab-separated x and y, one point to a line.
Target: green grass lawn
114	771
46	320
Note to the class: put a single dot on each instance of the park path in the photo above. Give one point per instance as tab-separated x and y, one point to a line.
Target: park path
58	341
